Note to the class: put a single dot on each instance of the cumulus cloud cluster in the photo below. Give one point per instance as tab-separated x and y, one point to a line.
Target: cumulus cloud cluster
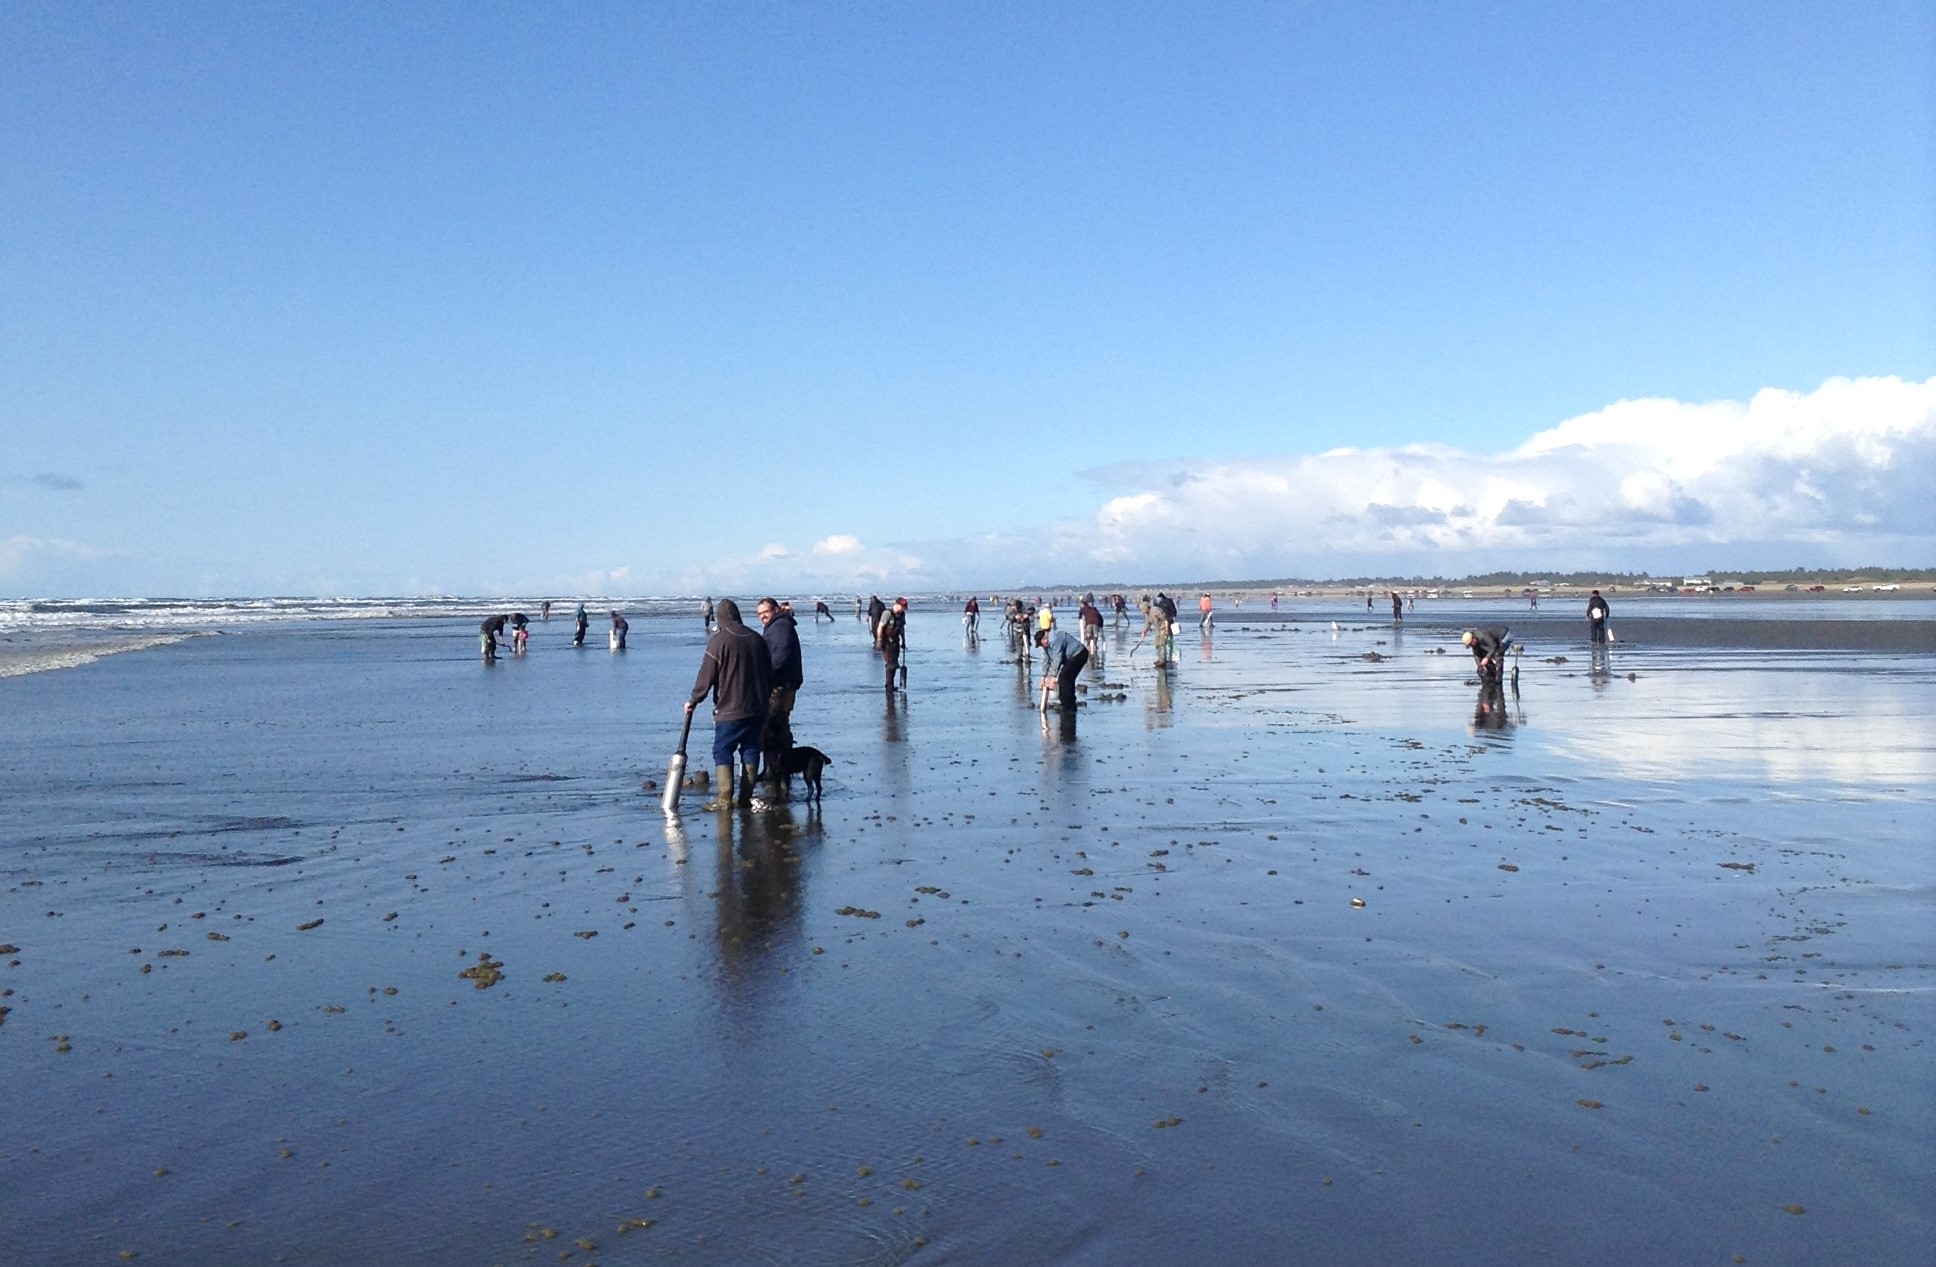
1843	473
1851	463
834	564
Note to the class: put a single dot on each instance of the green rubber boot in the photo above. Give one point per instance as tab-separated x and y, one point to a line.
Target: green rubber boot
722	788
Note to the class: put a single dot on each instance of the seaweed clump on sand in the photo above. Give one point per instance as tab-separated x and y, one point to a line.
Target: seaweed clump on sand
486	972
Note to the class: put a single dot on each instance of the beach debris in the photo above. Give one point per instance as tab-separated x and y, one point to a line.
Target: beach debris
1373	656
9	949
554	978
301	928
1795	1209
1165	1123
633	1225
1738	866
1590	1104
858	912
1358	902
486	972
1508	866
586	934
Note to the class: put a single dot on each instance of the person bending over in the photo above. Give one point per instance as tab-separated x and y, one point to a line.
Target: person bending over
1063	658
1489	648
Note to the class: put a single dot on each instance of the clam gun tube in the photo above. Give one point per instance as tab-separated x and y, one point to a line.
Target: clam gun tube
676	771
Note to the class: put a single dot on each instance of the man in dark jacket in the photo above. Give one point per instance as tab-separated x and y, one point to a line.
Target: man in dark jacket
491	630
1596	618
1489	648
738	673
783	645
891	634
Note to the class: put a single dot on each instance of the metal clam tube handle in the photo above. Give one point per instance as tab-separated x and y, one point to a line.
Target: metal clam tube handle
676	770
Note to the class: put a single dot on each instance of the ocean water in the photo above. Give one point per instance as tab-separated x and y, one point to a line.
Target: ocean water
1642	970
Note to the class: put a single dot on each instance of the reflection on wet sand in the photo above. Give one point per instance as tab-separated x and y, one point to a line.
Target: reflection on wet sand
756	885
1492	711
1156	706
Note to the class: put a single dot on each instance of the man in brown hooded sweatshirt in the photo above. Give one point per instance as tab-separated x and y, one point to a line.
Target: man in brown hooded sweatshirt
738	673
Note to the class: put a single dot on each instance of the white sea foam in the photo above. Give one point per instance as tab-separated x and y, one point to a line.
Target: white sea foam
18	661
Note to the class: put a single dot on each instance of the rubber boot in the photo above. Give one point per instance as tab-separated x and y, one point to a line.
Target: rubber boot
722	788
747	777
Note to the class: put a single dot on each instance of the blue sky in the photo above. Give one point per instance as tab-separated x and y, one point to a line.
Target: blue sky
373	299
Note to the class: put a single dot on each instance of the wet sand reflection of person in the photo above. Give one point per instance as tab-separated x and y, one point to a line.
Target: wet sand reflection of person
756	886
1156	715
1491	713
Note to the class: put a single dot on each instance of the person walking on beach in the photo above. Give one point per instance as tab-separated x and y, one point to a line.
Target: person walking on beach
1596	619
1062	661
1044	615
891	634
1089	617
706	611
520	635
875	610
492	627
971	616
737	672
619	628
583	622
1398	608
783	651
1367	600
820	609
1207	618
544	611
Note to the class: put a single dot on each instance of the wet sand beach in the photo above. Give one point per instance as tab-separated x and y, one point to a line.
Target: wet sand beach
1292	954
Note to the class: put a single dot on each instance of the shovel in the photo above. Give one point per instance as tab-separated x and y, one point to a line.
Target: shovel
676	771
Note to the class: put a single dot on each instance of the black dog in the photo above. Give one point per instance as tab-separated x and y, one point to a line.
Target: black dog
807	763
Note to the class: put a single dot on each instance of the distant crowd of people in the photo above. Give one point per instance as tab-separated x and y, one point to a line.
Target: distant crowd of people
754	678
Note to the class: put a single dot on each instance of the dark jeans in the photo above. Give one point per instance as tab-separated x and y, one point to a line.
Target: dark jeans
741	736
1065	681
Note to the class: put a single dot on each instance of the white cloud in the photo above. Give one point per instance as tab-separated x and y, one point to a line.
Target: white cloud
1841	474
835	564
1848	464
20	554
839	543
